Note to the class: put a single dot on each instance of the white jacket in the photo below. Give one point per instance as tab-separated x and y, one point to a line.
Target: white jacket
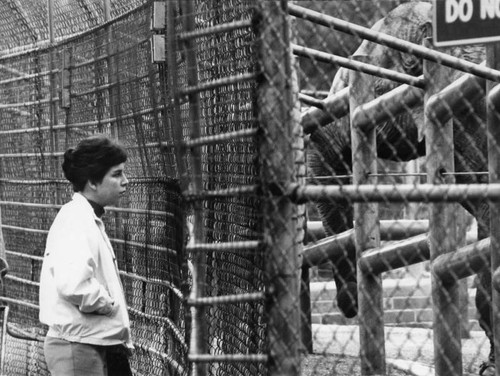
81	295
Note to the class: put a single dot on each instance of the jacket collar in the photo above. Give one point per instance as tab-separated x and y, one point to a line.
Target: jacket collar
78	197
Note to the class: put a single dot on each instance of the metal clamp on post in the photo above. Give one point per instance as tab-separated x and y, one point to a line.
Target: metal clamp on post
158	25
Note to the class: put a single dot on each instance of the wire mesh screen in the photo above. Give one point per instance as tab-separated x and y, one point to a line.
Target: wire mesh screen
101	81
373	237
397	181
233	328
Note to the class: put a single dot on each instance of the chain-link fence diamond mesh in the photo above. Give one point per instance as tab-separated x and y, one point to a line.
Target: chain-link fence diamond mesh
311	181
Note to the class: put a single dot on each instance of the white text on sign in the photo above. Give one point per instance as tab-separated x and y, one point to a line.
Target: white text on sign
463	10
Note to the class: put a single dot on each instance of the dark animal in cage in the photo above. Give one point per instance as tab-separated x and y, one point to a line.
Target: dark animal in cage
398	140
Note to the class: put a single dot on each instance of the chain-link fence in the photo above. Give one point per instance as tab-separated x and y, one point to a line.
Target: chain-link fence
242	119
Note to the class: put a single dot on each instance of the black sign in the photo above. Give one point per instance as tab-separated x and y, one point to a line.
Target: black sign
466	21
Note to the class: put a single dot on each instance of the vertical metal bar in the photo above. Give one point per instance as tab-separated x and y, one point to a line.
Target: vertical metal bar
5	308
199	337
463	288
279	120
493	118
174	100
305	310
4	338
113	91
442	227
107	10
50	18
173	117
367	229
52	83
305	299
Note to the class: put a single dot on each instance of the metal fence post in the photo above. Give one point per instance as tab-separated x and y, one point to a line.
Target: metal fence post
493	119
442	227
367	228
277	98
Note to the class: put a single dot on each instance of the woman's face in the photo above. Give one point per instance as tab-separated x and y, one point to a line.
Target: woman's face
112	187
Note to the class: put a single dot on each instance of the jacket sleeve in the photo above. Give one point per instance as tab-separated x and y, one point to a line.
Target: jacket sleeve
74	262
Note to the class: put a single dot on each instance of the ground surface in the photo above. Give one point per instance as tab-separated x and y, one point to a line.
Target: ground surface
339	365
409	351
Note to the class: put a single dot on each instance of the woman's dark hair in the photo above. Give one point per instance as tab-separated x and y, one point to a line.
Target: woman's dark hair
91	160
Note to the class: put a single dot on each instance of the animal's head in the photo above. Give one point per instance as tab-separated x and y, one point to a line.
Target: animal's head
409	21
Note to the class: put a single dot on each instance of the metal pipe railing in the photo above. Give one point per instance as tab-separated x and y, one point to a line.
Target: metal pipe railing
335	107
393	42
395	255
387	106
360	66
366	228
404	193
463	263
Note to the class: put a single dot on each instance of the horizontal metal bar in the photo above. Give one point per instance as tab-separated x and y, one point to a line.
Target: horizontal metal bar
236	298
329	248
24	255
358	66
212	358
31	205
28	104
144	245
19	302
108	208
139	211
16	332
390	229
25	77
217	29
24	229
22	280
463	263
95	89
153	281
395	255
207	140
311	101
316	93
229	192
335	107
387	106
463	92
162	319
231	80
396	43
399	193
30	155
215	139
229	246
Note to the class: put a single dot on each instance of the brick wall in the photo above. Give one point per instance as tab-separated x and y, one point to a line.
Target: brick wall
407	302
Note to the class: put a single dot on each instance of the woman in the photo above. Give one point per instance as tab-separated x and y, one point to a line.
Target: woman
81	295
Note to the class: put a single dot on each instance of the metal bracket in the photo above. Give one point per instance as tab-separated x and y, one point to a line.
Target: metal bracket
158	26
158	48
158	19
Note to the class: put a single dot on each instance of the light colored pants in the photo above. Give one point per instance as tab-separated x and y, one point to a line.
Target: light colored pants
66	358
